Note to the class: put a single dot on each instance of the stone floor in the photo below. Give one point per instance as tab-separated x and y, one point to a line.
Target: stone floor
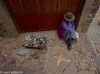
94	38
82	60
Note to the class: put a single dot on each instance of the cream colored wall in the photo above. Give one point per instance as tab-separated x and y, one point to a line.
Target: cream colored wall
6	22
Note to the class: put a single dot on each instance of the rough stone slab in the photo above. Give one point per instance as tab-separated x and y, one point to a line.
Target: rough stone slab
1	62
23	51
52	66
97	47
92	49
95	39
52	50
94	35
93	31
98	33
71	69
69	53
97	60
7	67
40	73
62	65
85	72
23	70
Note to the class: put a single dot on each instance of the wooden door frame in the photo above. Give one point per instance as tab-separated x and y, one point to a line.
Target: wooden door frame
80	9
79	12
12	15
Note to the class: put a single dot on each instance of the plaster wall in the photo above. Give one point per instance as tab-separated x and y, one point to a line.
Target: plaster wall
7	28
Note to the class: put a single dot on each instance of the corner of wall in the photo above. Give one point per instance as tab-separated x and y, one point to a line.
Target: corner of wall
7	27
88	13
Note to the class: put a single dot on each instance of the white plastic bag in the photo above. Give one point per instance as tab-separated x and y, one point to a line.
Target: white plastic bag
77	35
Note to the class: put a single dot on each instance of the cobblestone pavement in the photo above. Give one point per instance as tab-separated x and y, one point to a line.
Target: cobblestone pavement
83	60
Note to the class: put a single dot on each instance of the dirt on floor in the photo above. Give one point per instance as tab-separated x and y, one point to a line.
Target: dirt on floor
35	59
84	59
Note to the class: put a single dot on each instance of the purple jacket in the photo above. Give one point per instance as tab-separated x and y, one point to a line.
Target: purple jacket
65	25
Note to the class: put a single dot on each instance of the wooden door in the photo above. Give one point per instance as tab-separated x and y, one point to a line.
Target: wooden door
35	15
